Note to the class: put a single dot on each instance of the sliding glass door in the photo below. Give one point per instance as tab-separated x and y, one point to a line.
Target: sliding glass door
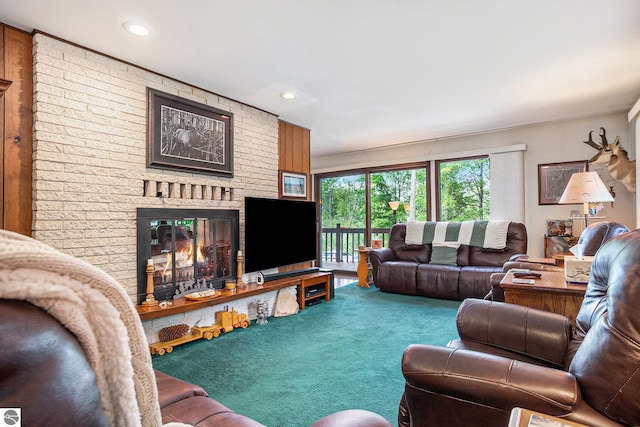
358	209
343	210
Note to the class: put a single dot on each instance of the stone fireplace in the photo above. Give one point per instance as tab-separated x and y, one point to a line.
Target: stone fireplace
190	250
90	173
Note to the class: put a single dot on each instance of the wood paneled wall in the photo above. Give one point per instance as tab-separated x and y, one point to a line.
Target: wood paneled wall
294	156
294	151
16	74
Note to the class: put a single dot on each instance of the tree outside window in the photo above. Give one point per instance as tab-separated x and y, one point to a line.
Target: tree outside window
464	189
408	187
343	201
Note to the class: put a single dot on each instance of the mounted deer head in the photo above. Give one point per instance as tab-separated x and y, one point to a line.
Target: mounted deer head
616	158
604	151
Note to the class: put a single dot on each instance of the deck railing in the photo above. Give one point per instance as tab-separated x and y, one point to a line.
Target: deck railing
340	244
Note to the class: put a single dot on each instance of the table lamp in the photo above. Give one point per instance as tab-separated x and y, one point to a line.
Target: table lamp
585	188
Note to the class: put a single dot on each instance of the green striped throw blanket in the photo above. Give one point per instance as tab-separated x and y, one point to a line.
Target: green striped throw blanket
482	234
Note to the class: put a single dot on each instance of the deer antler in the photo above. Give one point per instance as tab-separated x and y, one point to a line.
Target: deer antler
603	136
591	142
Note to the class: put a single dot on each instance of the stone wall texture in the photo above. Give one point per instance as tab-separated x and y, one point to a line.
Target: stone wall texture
90	145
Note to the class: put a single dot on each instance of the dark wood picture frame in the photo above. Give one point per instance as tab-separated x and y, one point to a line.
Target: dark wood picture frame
187	135
293	184
553	179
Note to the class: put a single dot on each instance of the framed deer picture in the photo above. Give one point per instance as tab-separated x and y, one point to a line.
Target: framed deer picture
187	135
553	178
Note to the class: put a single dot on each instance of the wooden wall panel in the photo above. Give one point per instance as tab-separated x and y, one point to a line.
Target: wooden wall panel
294	156
17	131
294	151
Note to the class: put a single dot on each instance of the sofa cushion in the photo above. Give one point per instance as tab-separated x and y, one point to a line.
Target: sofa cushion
397	277
475	280
444	253
419	254
200	411
437	281
172	389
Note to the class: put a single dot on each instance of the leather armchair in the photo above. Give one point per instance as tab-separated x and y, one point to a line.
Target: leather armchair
511	356
594	236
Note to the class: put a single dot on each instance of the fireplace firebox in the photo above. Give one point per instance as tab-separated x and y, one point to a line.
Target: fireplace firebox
190	250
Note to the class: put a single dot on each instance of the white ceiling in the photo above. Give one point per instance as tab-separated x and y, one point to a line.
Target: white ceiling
371	73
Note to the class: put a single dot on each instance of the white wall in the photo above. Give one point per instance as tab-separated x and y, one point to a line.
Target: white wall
634	130
90	139
552	142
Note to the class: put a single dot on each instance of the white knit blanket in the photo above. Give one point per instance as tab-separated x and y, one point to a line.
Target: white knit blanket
96	309
481	234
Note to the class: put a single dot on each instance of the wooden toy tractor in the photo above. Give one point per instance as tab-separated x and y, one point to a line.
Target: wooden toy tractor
226	321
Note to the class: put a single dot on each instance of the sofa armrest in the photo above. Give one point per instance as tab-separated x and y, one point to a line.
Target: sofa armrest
534	333
518	257
381	255
488	380
377	257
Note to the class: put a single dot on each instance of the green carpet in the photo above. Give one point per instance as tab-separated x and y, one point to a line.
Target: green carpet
336	355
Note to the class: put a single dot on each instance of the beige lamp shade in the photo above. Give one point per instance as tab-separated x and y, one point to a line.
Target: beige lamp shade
394	205
585	187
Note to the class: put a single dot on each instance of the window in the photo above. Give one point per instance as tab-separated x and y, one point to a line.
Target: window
408	187
463	189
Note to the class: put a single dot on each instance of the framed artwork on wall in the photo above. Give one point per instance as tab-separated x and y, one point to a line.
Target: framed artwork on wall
293	184
187	135
553	178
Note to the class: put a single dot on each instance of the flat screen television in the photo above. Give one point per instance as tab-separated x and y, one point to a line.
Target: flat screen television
278	232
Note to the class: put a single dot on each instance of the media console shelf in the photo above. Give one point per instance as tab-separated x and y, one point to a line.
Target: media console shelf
250	289
308	289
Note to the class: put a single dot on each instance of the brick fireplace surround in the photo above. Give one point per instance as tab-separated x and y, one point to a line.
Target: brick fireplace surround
90	139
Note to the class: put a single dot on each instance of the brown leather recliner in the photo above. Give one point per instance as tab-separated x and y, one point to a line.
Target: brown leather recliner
594	236
513	356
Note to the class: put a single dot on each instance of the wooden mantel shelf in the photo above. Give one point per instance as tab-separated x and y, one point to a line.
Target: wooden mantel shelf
249	290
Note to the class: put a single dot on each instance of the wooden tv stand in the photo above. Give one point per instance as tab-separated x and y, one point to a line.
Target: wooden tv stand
312	279
244	291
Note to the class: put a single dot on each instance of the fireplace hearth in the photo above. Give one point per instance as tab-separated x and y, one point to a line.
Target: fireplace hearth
190	250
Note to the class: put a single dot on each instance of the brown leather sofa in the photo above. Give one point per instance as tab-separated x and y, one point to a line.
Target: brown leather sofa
405	269
594	236
44	371
512	356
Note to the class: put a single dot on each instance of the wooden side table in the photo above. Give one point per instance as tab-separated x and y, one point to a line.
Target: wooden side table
364	268
550	292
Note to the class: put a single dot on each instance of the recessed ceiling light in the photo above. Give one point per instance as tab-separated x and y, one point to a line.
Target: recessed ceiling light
136	28
288	95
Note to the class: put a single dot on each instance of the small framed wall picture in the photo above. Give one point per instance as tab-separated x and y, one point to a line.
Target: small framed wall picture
293	184
553	178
